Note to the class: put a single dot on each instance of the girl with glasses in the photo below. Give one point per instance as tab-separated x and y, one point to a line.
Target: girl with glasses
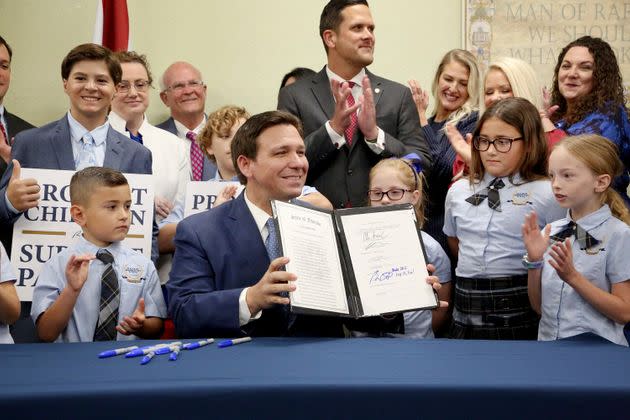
396	181
484	213
581	283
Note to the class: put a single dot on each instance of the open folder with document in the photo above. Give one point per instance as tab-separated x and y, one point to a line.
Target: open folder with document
354	262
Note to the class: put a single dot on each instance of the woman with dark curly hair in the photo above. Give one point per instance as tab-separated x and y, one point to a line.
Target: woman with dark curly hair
588	90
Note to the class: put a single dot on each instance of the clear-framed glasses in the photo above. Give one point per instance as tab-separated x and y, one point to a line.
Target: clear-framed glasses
139	85
394	194
180	86
501	144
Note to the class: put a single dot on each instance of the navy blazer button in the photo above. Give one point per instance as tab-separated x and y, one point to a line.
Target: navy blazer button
349	171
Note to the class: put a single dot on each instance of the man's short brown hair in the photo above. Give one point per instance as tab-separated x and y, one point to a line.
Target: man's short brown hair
245	140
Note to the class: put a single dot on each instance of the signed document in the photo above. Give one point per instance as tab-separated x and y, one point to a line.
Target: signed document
354	262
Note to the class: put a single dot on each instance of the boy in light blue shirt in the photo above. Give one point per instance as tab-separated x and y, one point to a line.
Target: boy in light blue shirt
98	289
9	302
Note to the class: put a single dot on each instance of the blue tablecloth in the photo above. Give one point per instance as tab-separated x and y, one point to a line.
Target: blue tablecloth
584	377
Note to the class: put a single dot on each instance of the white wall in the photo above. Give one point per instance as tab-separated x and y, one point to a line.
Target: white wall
242	47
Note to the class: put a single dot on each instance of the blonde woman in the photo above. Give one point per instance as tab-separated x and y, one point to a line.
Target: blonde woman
456	91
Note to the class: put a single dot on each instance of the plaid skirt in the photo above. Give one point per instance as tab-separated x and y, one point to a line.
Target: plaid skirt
493	309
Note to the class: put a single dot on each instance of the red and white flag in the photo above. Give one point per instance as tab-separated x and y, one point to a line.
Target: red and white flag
111	28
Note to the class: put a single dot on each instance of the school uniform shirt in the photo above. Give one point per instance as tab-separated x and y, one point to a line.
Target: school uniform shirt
490	241
565	312
137	278
6	274
418	324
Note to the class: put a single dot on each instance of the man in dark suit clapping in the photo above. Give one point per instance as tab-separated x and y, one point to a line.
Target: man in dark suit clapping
352	118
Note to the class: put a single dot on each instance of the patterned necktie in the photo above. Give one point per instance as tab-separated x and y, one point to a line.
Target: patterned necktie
3	133
272	243
87	154
583	238
110	299
349	132
492	193
196	157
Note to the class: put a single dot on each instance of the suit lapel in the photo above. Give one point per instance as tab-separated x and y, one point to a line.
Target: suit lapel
113	150
323	94
242	227
377	89
61	144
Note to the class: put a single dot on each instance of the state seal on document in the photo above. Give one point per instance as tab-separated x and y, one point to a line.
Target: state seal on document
133	273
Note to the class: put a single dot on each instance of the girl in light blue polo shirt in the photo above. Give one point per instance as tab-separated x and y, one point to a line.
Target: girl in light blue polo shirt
484	214
9	302
581	283
399	181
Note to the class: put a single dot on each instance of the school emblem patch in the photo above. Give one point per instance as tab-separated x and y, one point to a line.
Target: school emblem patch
520	198
133	273
597	248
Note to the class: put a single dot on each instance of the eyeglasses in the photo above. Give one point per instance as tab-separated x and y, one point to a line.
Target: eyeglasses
394	194
501	144
180	86
139	85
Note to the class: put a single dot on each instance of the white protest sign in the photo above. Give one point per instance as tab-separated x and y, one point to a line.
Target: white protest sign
47	229
201	195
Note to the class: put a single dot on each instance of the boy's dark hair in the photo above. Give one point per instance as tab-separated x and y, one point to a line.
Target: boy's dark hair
4	42
331	15
83	182
245	140
134	57
92	52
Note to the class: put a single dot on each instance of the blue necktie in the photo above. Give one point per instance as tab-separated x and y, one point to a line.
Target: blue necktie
87	154
272	243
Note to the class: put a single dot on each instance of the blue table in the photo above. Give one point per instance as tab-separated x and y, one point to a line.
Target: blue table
584	377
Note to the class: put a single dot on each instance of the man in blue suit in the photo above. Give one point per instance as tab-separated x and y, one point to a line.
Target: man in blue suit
223	282
83	137
183	91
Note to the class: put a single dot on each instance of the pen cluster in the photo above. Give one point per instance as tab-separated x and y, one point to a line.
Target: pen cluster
172	349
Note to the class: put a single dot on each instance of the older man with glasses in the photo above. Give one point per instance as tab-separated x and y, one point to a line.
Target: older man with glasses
184	93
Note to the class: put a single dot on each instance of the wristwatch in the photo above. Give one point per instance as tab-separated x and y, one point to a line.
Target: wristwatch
532	265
